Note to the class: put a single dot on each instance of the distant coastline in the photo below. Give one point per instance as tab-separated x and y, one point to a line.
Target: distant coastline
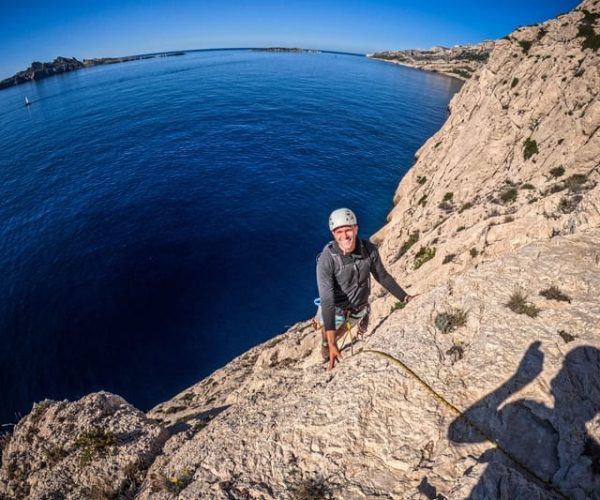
286	49
41	70
460	61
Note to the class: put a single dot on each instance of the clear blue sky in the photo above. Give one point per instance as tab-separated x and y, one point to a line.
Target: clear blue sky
42	30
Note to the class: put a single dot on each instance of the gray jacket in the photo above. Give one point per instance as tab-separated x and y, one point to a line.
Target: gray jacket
344	281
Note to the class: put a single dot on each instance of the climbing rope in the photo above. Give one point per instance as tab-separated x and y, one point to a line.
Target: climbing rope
460	414
347	334
443	401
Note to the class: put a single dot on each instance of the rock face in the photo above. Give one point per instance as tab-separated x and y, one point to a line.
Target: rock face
39	70
516	161
460	61
368	429
486	385
97	447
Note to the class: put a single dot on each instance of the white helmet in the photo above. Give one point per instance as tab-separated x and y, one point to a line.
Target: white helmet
341	217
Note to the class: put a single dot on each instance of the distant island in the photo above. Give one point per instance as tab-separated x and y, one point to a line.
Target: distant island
285	49
460	61
41	70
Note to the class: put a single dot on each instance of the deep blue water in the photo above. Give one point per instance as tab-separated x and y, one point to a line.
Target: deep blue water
159	217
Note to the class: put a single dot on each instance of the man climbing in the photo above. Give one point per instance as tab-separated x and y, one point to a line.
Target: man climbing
343	277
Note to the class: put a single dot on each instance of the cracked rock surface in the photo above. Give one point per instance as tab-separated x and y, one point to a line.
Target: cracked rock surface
486	385
369	429
97	447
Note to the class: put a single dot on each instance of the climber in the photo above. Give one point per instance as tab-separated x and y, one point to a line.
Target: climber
343	278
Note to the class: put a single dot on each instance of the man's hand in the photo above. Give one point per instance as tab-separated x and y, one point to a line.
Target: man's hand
334	353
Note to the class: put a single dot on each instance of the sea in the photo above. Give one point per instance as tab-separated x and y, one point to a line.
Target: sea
159	217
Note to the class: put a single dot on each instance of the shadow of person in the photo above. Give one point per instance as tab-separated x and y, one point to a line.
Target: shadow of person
551	448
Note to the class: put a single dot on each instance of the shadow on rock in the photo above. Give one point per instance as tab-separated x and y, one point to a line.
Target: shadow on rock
551	447
195	422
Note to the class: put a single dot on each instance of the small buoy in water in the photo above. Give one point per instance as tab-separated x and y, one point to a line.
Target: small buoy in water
27	103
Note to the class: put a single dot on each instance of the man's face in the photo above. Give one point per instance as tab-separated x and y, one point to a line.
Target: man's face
345	236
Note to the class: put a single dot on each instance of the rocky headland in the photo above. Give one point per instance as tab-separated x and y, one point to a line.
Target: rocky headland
486	385
41	70
460	61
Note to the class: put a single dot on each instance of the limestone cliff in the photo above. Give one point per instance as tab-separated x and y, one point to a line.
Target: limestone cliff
496	229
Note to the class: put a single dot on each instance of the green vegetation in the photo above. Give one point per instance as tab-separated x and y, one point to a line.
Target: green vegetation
528	186
314	488
529	148
575	183
448	197
557	171
586	30
449	321
423	200
567	337
94	442
198	426
54	454
556	188
568	204
385	55
421	180
178	482
446	206
554	293
397	305
518	304
525	45
466	206
509	195
456	352
423	255
461	72
472	56
514	83
39	409
589	17
412	239
448	258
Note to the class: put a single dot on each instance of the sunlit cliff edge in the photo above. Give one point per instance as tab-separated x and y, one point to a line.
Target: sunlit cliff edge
501	207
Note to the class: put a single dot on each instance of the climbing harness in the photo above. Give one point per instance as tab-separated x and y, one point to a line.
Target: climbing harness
347	316
460	414
347	334
361	327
